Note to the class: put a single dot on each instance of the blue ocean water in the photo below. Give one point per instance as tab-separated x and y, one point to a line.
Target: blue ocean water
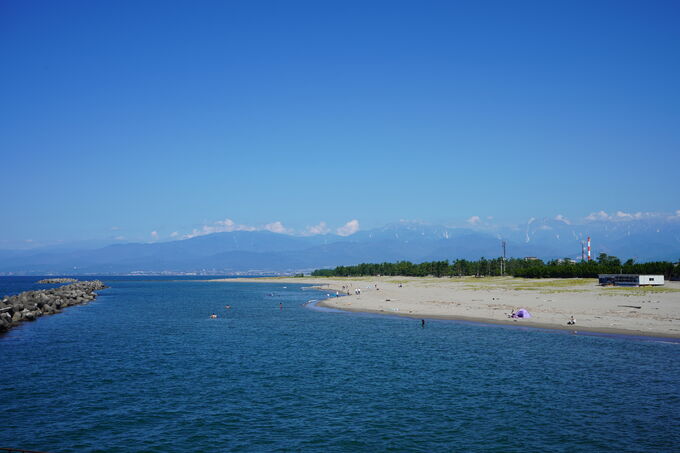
144	368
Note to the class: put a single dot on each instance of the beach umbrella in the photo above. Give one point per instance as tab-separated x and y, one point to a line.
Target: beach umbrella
522	313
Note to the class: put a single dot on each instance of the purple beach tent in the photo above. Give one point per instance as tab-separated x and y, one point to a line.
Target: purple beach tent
522	313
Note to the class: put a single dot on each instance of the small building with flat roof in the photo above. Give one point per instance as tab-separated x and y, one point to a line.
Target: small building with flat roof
630	280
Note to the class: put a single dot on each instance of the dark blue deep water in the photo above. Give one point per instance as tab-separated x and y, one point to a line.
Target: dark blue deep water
143	368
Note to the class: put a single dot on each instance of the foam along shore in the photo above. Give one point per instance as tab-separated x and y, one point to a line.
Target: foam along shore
648	311
30	305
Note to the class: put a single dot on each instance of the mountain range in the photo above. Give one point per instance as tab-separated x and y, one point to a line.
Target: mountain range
265	252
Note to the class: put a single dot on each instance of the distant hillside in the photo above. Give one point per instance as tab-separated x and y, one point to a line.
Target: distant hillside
264	251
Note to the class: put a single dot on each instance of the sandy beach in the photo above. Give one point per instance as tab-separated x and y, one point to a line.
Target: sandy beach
649	311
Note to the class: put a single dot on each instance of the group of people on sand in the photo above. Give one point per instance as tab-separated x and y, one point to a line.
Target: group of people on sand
357	291
345	290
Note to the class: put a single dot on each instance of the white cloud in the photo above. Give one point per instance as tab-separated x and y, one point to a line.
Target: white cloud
277	227
474	220
321	228
115	228
561	218
349	228
600	215
154	235
119	238
174	234
221	226
622	216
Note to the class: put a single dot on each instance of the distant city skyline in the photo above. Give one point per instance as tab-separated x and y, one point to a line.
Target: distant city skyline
155	121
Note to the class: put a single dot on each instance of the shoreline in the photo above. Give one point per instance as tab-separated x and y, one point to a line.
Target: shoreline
511	323
629	311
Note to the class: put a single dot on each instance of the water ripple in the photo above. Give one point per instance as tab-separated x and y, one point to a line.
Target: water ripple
146	369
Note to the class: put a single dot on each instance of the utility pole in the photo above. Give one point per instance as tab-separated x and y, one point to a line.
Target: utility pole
503	260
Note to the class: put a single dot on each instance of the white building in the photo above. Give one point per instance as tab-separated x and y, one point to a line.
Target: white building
630	280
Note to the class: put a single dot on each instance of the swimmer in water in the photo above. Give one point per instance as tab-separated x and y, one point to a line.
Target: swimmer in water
213	316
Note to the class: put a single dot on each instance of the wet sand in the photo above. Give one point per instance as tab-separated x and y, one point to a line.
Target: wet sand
648	311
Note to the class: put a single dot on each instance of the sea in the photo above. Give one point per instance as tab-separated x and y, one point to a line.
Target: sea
145	368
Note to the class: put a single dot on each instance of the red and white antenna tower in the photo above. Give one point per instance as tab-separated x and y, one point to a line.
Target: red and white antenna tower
588	248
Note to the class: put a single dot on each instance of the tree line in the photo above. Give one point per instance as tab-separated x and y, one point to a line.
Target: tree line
516	267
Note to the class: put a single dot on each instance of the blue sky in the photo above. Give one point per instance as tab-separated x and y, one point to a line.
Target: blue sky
123	118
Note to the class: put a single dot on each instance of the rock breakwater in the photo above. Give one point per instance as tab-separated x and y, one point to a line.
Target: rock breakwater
30	305
57	280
